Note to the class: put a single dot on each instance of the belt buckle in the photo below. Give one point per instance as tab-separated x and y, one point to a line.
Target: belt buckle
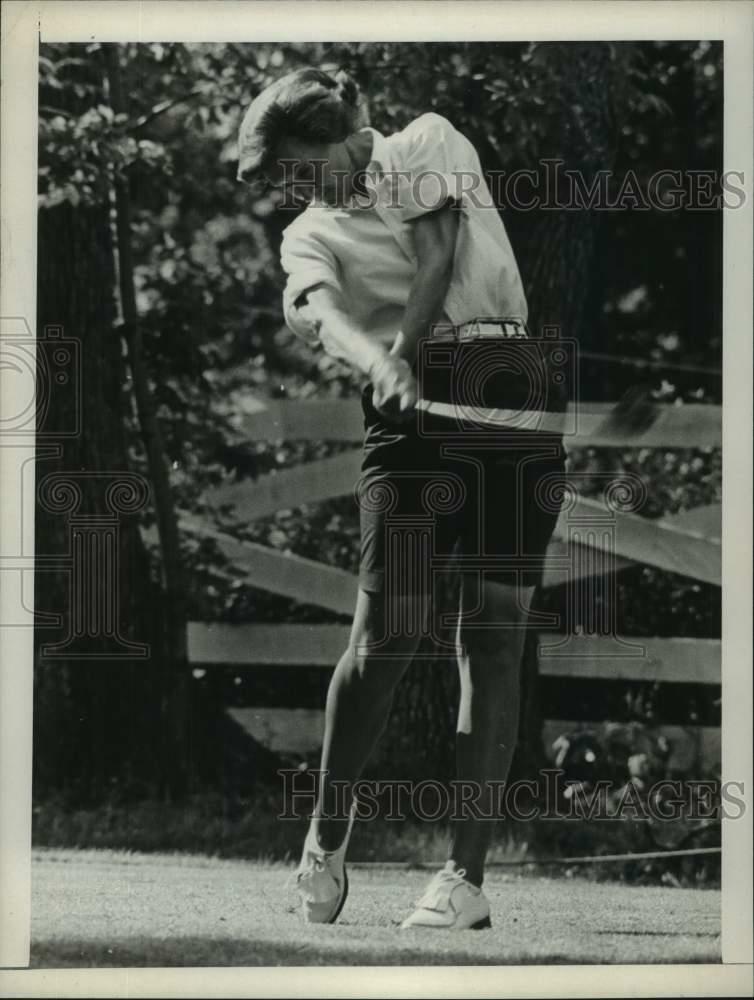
494	327
481	328
484	328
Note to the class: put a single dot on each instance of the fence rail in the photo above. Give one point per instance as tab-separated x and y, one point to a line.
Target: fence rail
690	661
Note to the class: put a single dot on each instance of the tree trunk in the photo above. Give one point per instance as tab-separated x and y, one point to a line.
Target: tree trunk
93	717
176	710
99	699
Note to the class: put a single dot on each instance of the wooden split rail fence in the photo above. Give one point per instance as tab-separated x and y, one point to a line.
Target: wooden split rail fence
688	543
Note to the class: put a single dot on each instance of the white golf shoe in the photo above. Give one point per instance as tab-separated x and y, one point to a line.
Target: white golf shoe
322	880
452	903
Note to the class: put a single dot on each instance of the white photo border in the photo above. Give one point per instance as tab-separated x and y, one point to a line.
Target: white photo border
24	25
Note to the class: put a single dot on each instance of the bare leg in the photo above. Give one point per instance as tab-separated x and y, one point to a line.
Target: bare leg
489	663
358	704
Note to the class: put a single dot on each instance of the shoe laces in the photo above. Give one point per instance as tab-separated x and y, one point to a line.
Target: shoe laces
316	857
315	864
441	886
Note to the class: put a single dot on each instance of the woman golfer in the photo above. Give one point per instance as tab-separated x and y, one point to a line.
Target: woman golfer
400	235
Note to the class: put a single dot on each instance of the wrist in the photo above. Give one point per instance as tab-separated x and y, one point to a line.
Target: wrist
377	359
400	346
405	348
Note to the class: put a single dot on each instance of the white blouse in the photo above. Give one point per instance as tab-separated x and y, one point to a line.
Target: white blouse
366	251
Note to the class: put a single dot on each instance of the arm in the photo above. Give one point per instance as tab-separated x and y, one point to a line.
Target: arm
339	334
435	240
313	276
393	381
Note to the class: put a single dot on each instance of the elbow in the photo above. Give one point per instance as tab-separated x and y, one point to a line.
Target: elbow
300	320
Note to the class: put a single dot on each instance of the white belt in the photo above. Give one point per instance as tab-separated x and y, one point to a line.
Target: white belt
483	326
543	421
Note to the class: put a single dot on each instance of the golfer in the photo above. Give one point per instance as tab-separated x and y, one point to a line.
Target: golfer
400	240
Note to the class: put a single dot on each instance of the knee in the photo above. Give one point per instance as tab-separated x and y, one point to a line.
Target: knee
379	650
386	628
372	666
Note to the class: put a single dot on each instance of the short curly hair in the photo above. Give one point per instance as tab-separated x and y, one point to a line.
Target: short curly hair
308	104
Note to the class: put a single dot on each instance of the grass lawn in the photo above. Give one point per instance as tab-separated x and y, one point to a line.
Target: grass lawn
115	909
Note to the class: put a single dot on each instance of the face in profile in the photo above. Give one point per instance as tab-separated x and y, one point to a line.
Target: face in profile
305	171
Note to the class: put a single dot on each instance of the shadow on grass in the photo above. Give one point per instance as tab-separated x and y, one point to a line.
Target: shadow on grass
193	952
201	952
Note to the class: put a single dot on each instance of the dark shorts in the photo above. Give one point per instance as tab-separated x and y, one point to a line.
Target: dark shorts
488	502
